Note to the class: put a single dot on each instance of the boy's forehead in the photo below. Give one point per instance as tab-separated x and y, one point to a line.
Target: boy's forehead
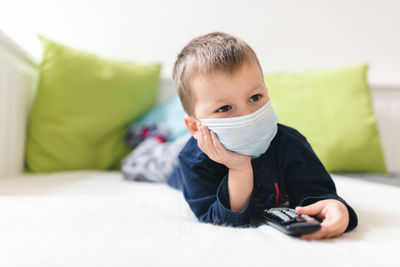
209	89
219	84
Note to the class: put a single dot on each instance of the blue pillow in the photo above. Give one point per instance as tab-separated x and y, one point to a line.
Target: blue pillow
170	113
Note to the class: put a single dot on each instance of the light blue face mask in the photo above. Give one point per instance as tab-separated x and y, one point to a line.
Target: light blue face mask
250	134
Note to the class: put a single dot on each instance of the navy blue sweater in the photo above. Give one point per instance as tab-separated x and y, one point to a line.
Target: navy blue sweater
289	171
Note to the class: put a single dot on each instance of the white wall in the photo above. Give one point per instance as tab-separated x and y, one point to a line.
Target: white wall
287	35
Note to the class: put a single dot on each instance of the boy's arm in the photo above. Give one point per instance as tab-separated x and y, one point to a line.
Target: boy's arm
240	186
308	181
208	194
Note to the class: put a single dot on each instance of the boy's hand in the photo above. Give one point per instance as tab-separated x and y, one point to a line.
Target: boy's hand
334	213
208	142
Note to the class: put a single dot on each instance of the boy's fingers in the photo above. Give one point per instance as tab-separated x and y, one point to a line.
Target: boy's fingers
329	228
321	233
332	224
217	144
200	139
329	220
207	141
312	209
201	142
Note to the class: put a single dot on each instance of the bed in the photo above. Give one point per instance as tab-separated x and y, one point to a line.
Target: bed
96	218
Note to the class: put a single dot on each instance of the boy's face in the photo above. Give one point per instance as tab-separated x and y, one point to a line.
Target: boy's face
221	95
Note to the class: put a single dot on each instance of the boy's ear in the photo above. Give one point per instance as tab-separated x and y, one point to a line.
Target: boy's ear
192	125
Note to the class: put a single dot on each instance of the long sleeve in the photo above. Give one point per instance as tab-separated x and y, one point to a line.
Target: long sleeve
205	188
307	180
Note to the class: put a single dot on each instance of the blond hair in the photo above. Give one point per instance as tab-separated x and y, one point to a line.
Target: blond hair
205	54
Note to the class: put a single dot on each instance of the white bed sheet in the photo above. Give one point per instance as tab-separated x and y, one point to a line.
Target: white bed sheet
94	218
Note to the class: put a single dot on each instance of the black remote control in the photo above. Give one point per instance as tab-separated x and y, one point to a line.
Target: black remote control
290	222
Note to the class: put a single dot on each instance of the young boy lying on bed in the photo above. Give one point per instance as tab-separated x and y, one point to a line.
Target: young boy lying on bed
239	159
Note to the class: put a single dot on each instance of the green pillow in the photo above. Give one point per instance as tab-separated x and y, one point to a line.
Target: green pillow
83	107
333	110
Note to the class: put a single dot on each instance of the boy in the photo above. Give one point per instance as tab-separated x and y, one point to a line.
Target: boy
240	160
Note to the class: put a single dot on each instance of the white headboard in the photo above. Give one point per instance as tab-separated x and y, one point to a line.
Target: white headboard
18	79
386	104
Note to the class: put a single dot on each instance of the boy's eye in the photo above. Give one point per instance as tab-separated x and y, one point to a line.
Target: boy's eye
224	108
255	98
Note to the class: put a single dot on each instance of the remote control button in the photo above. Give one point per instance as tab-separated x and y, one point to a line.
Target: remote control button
292	214
281	215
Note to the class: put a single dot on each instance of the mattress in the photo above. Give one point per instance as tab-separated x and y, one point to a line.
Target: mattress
95	218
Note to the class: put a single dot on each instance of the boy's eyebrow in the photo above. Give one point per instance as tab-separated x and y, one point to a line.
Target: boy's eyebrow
252	90
256	87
